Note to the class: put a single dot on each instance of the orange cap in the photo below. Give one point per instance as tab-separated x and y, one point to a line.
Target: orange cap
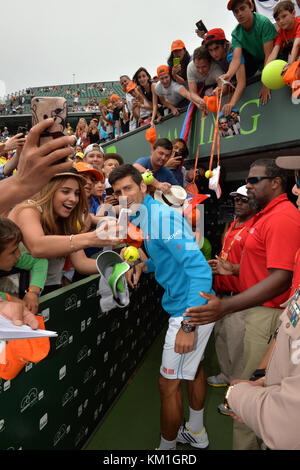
83	167
211	103
151	135
114	98
162	69
18	352
177	45
131	86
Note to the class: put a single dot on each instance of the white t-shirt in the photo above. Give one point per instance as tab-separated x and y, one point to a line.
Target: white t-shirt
132	122
209	79
129	99
266	7
171	93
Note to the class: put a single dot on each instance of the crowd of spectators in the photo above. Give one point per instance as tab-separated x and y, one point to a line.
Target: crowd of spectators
54	205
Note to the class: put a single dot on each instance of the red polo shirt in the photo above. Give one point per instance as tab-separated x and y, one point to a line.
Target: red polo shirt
233	244
272	242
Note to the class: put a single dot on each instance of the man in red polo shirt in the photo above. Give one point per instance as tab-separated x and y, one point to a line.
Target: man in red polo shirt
271	405
265	272
229	330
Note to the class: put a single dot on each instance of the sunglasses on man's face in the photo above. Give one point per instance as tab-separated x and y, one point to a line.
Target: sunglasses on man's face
257	179
245	200
297	178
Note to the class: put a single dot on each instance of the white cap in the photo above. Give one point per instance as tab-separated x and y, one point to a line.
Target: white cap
93	147
241	191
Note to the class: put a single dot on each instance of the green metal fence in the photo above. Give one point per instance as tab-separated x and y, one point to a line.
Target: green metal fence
59	402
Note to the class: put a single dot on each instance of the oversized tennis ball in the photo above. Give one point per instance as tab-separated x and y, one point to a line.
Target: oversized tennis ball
271	74
209	174
131	254
148	177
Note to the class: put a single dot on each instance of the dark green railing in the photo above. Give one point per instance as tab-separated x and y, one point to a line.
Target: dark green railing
59	402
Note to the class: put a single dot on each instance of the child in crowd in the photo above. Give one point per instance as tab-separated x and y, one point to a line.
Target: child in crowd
287	42
266	8
10	257
111	161
253	38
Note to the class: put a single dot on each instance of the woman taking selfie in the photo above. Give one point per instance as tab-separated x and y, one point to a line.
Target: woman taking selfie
54	225
178	61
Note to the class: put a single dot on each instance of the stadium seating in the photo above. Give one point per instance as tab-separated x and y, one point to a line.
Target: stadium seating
87	92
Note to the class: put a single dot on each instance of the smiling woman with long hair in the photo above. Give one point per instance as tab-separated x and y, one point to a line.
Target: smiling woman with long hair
54	225
146	85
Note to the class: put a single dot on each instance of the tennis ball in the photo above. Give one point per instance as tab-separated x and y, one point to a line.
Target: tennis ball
131	254
271	74
148	177
208	174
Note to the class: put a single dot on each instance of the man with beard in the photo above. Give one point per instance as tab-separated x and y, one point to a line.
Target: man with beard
265	274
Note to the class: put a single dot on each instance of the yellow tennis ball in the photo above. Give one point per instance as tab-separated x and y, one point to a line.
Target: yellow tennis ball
271	74
131	254
148	177
208	174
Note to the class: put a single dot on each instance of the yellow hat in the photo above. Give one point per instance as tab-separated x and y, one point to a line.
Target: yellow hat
80	155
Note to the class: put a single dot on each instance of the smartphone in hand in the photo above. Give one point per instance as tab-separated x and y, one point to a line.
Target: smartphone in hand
50	107
201	26
22	130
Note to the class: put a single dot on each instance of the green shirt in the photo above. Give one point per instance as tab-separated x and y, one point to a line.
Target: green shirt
37	266
262	31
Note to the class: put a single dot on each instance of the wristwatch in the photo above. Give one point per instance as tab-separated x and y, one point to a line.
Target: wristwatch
186	327
226	404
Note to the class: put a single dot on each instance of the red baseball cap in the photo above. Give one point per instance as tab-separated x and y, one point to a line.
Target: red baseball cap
216	34
162	69
231	2
177	45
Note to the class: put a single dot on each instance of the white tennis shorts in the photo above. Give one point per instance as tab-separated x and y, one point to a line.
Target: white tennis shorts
183	366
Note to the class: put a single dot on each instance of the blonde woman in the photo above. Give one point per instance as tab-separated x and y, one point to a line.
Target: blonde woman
81	132
54	225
